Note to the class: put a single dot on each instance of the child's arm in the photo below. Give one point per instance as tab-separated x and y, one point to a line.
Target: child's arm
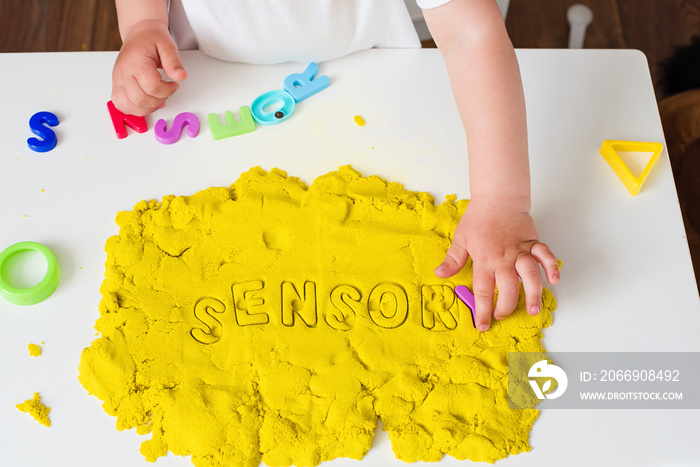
496	229
137	86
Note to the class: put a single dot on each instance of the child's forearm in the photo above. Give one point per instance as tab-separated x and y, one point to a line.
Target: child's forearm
486	83
130	12
496	230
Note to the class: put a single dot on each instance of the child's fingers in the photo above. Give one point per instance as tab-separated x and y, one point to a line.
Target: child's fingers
544	256
484	285
529	271
121	101
140	100
171	62
454	261
143	93
153	86
508	291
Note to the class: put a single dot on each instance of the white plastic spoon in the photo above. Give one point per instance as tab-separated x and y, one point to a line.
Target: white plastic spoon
579	17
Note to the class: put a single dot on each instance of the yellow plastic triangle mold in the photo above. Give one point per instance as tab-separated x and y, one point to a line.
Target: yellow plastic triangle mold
609	151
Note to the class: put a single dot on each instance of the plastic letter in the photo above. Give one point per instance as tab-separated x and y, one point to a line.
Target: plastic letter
37	124
120	120
306	84
272	98
467	297
232	127
173	134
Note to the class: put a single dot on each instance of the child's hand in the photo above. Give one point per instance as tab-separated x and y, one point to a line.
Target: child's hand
501	239
137	86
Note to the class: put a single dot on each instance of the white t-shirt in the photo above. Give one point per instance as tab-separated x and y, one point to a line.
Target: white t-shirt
274	31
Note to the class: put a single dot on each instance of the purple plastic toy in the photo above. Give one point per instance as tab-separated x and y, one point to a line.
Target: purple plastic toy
173	134
467	297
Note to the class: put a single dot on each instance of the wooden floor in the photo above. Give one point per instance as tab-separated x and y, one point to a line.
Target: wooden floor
655	27
58	25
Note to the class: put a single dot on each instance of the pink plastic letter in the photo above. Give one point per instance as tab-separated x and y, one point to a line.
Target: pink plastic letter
120	120
173	134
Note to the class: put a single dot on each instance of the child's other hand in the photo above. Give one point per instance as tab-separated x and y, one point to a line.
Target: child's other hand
137	85
501	239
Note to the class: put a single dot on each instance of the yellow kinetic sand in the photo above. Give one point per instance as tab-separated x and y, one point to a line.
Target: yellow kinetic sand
34	350
271	321
36	409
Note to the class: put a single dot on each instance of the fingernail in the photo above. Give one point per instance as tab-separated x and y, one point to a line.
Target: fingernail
483	327
534	310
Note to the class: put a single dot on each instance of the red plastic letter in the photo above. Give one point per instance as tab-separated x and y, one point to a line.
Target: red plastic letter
120	120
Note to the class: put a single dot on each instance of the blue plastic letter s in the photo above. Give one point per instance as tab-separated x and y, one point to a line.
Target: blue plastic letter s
37	124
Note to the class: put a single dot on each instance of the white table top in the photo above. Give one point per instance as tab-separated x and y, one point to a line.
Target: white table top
627	282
